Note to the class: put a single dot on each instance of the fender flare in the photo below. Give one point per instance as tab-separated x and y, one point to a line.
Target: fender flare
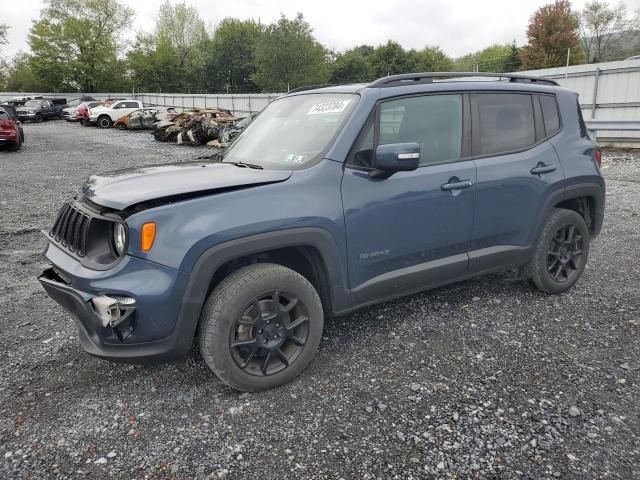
593	189
213	258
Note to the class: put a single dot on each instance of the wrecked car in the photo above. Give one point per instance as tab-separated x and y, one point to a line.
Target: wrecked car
106	115
333	199
145	118
196	127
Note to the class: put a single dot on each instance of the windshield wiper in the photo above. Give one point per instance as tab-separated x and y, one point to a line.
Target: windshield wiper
246	165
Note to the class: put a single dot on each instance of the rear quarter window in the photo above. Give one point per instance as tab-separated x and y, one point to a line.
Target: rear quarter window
550	114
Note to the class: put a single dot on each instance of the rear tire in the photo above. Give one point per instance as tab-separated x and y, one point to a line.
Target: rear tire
261	327
17	145
561	253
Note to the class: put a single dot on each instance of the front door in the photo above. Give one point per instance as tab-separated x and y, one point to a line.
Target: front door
413	229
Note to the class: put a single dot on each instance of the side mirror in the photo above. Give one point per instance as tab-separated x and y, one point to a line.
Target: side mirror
396	157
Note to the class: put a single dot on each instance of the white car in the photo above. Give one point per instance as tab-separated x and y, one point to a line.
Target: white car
106	115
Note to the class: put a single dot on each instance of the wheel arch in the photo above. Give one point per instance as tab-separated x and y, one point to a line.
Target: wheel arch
310	251
588	201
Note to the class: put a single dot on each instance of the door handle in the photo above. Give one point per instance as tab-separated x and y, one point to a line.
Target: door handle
456	185
541	168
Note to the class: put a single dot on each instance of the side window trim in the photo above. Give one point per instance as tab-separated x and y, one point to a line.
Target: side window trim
538	119
371	120
560	122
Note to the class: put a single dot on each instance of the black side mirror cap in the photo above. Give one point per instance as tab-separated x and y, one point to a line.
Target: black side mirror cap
395	157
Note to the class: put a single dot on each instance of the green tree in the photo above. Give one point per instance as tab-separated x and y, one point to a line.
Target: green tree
75	43
4	67
181	27
21	77
173	57
429	59
495	58
513	62
232	52
4	30
288	56
598	22
389	59
352	66
552	31
151	63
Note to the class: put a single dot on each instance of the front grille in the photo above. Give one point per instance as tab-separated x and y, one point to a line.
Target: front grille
71	229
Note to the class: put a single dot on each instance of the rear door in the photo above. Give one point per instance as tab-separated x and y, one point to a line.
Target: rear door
411	230
47	108
517	169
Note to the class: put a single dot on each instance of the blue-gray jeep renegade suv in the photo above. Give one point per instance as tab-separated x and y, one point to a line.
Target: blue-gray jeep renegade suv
332	199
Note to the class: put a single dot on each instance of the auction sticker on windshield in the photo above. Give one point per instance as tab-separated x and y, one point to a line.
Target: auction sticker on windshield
337	106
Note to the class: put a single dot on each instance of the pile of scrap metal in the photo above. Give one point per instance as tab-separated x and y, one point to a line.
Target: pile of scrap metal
145	118
210	126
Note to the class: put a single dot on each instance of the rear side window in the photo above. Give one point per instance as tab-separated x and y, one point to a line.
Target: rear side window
550	114
4	116
583	127
432	121
505	122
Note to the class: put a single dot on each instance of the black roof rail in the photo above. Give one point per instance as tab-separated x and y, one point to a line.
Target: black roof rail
310	87
428	77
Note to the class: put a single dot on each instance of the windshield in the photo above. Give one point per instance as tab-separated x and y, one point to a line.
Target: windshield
292	131
32	103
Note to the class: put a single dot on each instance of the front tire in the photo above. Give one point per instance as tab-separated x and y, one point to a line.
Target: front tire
261	327
561	253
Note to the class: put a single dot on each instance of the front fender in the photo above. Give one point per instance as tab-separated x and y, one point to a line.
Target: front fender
213	258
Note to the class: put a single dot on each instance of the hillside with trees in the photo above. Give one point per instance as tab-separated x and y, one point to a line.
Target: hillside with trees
76	45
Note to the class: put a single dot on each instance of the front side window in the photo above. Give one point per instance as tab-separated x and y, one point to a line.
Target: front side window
292	131
505	122
433	121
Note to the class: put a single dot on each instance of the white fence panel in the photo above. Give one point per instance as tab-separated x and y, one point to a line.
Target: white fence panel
608	91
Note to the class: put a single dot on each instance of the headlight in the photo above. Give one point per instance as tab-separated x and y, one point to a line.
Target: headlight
119	238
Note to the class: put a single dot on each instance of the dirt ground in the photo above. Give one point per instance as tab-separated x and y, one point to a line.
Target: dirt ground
482	379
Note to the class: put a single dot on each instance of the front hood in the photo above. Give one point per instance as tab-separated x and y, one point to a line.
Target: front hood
121	189
99	109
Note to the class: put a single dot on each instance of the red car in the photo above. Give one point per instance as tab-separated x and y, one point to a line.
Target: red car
11	133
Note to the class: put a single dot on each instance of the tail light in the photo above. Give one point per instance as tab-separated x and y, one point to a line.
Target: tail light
7	125
598	157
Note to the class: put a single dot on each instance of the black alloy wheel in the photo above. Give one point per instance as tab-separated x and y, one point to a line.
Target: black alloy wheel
260	327
561	253
565	254
270	333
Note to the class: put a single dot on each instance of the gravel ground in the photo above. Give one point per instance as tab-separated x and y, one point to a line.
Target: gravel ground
482	379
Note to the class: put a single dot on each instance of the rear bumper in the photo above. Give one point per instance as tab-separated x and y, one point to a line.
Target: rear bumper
155	332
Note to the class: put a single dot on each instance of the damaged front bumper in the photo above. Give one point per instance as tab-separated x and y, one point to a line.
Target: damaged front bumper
127	313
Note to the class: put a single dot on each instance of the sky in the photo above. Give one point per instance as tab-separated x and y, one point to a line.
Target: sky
458	27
